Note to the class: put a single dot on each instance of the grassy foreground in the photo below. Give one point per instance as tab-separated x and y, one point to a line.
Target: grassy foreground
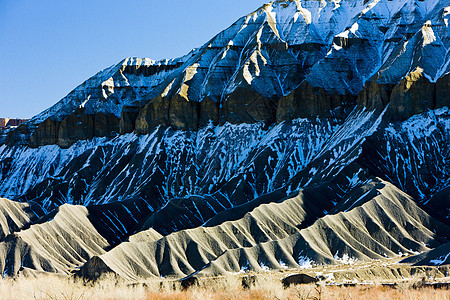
51	287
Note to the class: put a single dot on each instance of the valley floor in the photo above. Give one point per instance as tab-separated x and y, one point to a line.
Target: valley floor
424	283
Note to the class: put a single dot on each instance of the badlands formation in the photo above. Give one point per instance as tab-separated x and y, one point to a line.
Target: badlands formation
307	134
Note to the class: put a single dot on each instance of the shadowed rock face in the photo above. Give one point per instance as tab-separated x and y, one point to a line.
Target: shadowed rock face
6	122
208	112
245	105
177	112
45	134
93	269
75	127
128	117
307	101
284	61
413	95
17	136
242	106
375	95
442	90
155	113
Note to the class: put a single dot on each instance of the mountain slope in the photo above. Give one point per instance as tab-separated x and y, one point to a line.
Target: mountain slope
250	72
385	223
168	163
437	257
57	245
307	131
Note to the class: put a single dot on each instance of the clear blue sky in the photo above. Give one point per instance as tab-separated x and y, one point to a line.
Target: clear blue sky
49	47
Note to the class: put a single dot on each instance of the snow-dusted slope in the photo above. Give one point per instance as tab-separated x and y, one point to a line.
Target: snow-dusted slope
112	88
336	45
220	167
415	154
168	163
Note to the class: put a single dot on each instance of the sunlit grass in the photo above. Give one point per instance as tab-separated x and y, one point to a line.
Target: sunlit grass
266	287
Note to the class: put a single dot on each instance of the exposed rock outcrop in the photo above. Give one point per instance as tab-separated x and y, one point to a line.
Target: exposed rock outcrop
76	127
45	134
128	119
375	95
20	135
155	113
307	101
245	105
183	114
208	112
7	122
242	106
443	92
413	95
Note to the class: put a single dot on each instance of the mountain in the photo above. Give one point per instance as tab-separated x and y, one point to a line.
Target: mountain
439	256
307	129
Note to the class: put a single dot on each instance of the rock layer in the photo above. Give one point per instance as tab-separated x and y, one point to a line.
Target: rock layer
7	122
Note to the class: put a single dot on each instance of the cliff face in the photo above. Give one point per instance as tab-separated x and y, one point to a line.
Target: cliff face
413	95
75	127
287	59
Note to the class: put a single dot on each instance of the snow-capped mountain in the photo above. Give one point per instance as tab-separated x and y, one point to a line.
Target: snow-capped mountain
334	45
324	107
249	72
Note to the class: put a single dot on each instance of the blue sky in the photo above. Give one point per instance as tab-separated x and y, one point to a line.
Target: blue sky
49	47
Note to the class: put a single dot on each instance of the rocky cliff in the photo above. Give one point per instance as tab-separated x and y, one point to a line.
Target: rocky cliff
287	59
335	109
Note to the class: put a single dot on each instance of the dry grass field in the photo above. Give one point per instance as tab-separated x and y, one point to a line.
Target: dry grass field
266	287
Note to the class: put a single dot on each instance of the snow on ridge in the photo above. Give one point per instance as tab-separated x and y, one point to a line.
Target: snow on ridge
238	55
217	153
110	77
133	61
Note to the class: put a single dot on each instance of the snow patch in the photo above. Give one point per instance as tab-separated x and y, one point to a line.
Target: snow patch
439	261
345	259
